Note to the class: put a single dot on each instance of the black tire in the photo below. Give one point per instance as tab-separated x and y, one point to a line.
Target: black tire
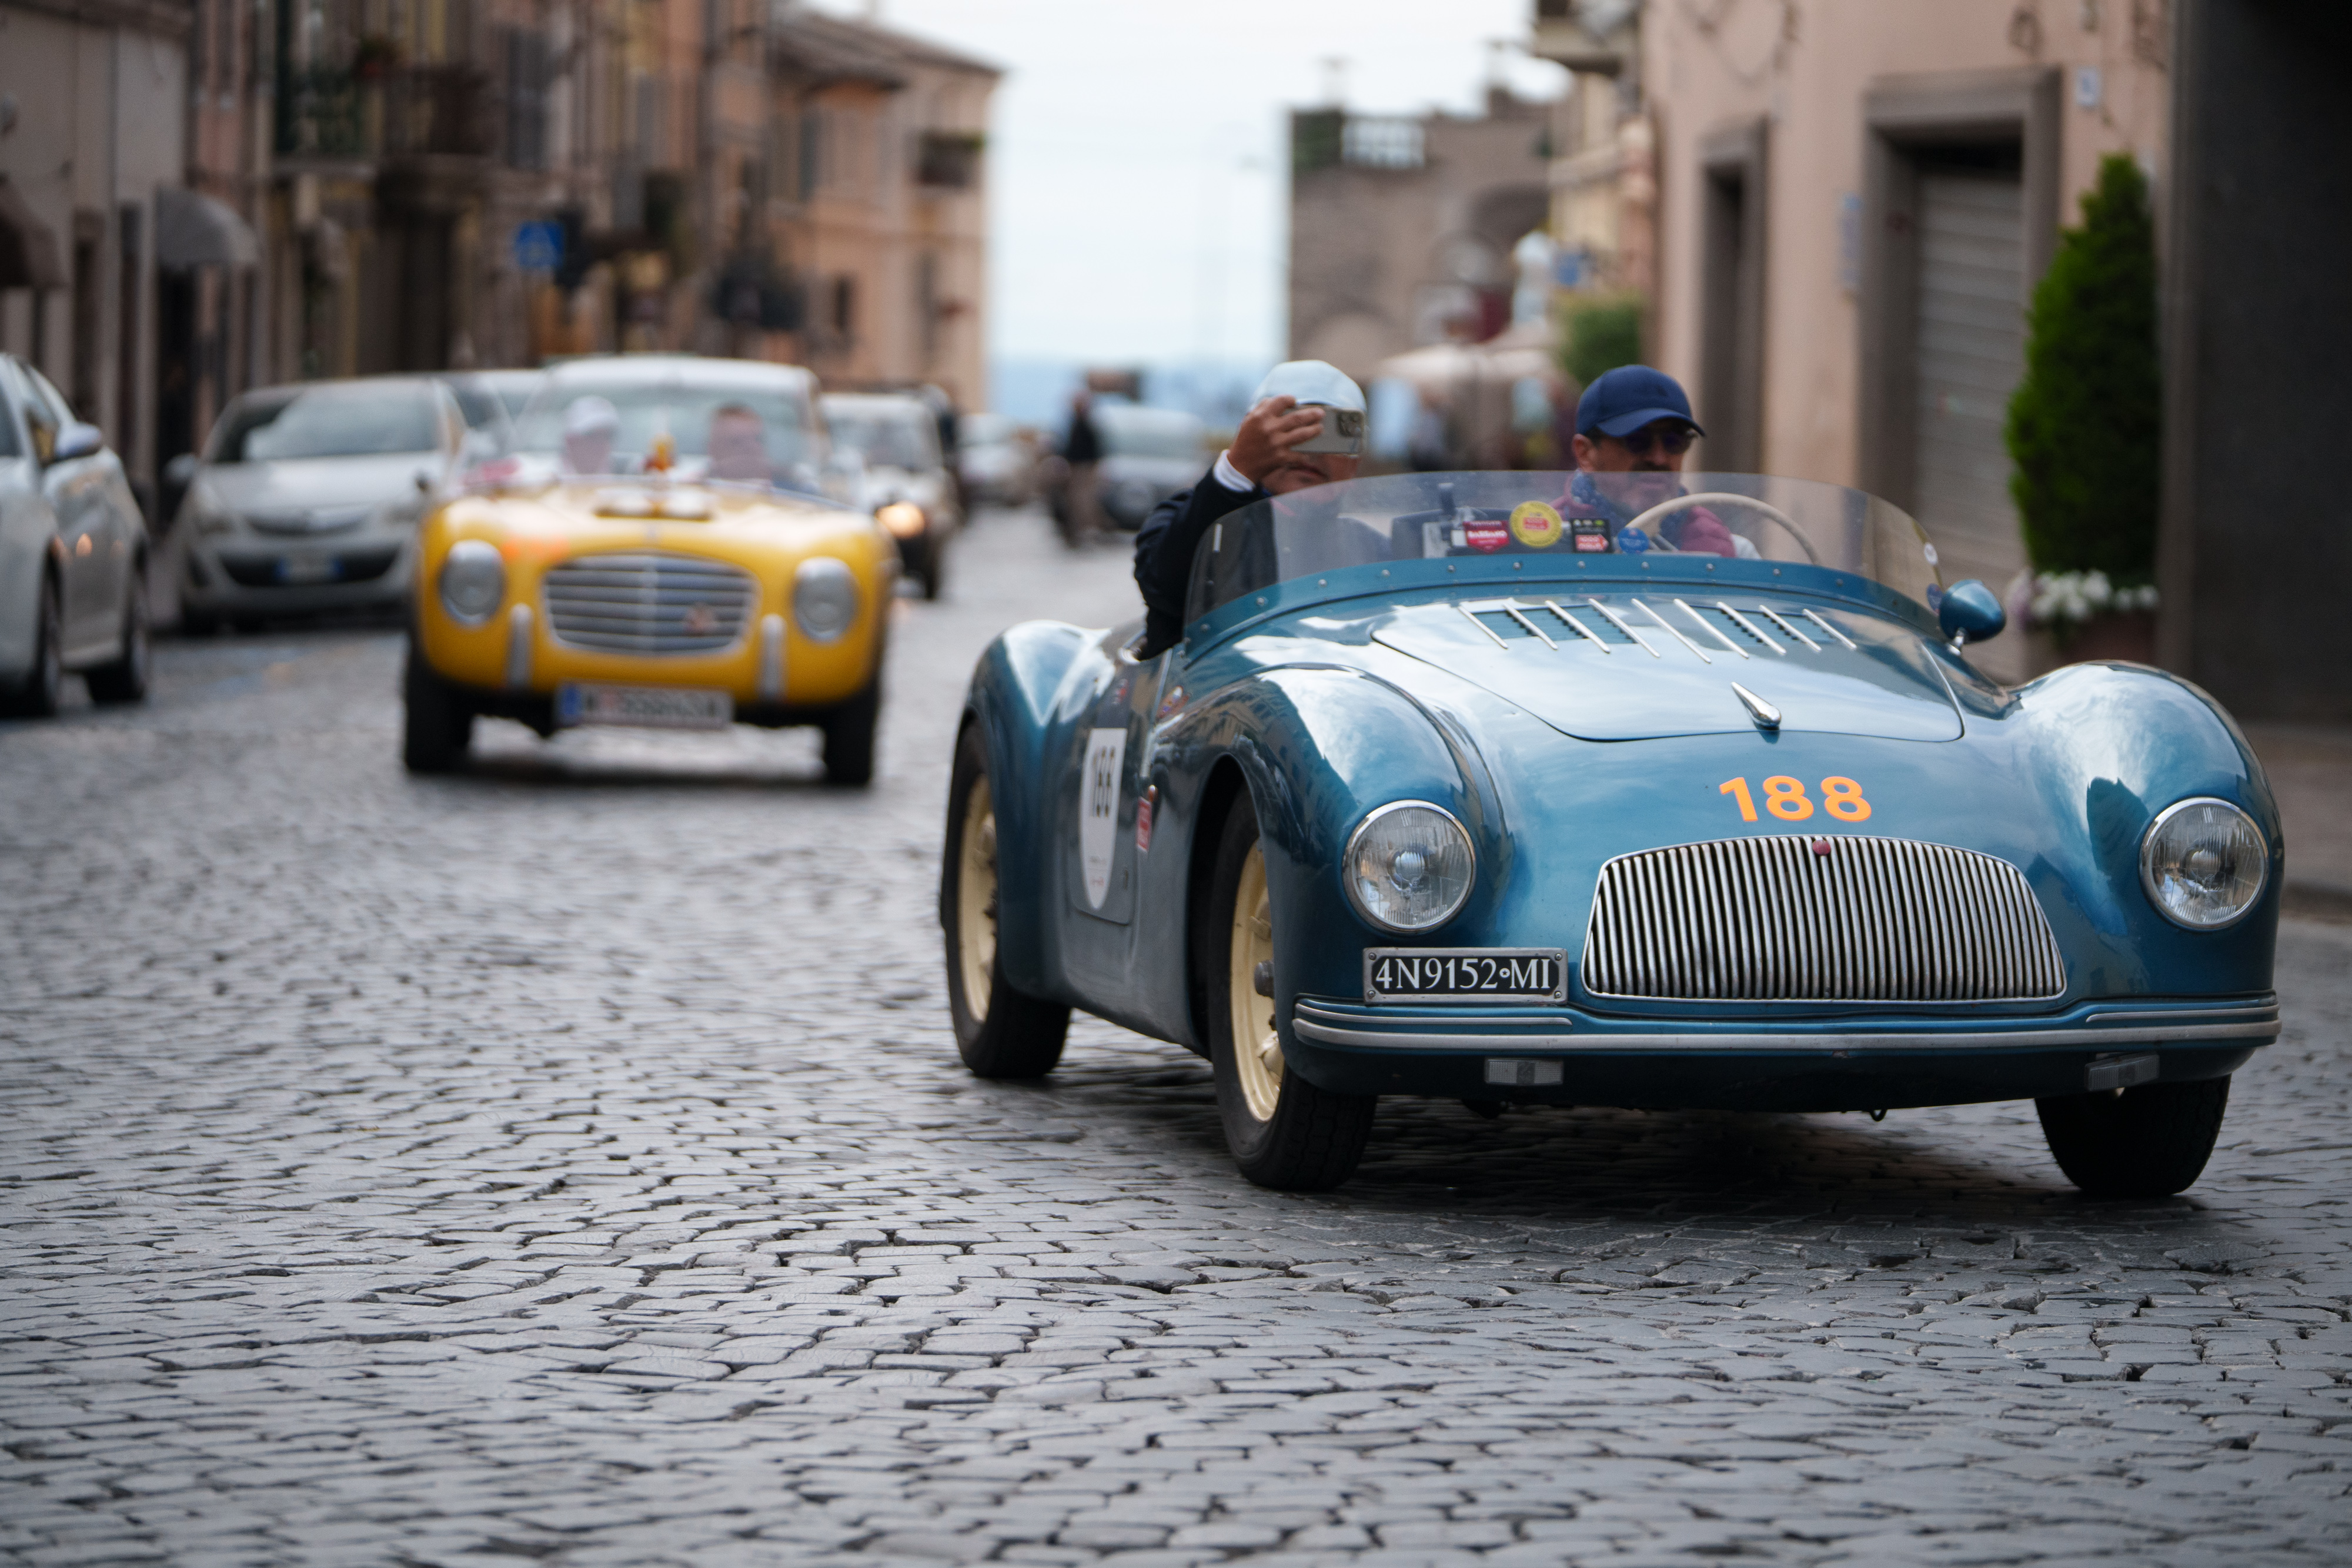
934	570
1294	1137
1009	1033
849	737
125	679
38	693
2149	1142
198	623
439	728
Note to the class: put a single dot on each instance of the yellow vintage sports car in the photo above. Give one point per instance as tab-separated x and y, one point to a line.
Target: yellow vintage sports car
654	551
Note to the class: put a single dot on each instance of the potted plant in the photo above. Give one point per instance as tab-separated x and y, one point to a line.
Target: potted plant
2084	425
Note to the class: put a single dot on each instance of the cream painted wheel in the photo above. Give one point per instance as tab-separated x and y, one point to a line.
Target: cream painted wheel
1257	1045
976	898
1285	1131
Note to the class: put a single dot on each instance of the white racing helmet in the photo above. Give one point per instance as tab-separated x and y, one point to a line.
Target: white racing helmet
1315	383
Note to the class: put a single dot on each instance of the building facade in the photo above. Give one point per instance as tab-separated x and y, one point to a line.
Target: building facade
197	197
1402	228
1856	204
87	162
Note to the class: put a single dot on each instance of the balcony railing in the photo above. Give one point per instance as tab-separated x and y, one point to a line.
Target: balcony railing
396	112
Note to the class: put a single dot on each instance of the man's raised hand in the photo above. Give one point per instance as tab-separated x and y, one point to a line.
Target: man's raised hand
1269	433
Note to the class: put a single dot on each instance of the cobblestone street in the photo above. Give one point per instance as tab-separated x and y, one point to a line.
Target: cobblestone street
570	1161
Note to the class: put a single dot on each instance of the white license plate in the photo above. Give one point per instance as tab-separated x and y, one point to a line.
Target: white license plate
1465	975
313	568
653	707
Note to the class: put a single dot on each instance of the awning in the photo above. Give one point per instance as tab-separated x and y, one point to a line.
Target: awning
194	230
28	251
1442	368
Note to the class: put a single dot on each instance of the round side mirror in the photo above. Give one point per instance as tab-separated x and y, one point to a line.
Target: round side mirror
1971	612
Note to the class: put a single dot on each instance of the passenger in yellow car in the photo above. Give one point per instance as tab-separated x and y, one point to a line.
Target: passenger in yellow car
589	425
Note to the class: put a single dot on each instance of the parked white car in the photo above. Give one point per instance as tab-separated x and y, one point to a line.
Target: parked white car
73	554
308	497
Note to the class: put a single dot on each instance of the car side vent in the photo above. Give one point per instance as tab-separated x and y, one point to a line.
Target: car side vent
1819	919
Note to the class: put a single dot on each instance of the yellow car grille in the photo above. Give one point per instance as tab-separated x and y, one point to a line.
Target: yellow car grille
648	602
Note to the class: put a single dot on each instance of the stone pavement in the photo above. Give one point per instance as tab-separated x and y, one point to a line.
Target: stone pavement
569	1162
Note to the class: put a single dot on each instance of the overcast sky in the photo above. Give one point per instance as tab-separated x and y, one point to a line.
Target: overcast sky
1137	155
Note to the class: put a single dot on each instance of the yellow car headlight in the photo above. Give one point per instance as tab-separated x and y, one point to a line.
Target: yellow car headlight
473	582
825	597
904	520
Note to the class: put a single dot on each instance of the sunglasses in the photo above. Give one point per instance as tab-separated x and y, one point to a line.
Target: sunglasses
1673	441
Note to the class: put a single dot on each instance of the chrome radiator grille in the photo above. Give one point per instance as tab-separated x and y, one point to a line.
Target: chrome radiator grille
649	604
1819	919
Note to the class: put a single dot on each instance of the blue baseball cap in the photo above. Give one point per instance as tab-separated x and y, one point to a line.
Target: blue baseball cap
1622	400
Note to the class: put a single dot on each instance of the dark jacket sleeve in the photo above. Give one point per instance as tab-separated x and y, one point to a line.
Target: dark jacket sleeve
1164	547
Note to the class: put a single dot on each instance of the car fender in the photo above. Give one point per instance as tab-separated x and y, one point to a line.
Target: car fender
1015	693
1318	747
2109	745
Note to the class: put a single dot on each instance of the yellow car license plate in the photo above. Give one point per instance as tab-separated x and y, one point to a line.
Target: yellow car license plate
653	707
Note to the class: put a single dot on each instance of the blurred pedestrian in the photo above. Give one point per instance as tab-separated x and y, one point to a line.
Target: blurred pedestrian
1263	461
1082	451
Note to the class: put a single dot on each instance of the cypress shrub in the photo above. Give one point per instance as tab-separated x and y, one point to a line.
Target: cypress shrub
2084	423
1601	332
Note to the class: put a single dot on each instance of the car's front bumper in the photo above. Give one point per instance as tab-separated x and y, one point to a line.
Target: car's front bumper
254	574
1841	1064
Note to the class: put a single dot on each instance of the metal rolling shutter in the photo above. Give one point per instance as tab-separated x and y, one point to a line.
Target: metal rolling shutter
1971	351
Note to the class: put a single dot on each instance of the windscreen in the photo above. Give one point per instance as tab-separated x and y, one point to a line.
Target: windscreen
328	421
886	437
1427	516
1148	432
722	429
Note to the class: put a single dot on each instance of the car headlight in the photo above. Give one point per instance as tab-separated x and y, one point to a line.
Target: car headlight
473	582
2203	864
1409	867
825	597
213	521
903	518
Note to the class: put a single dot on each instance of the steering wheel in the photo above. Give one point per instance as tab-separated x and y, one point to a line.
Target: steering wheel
1724	497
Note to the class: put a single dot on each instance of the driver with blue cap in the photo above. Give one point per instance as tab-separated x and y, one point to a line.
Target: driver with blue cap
1632	426
1270	456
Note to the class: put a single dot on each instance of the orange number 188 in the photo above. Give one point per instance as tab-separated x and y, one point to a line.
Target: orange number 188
1786	798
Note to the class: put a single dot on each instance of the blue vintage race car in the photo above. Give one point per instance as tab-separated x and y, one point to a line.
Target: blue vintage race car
1454	788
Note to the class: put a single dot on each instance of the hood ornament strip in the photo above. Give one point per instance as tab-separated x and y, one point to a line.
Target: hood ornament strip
1765	715
1714	632
1610	616
1677	636
1833	631
1582	629
1514	612
1766	611
1752	629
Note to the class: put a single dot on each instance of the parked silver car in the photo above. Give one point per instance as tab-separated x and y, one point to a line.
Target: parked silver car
308	497
73	554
